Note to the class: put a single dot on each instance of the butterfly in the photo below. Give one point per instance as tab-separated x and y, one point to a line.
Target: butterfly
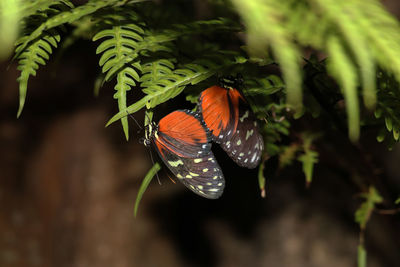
228	116
184	144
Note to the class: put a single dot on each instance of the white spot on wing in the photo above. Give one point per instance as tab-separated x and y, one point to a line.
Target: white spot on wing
175	163
245	115
249	133
254	157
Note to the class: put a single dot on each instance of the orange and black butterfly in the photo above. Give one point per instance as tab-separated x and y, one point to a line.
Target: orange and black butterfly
233	125
184	144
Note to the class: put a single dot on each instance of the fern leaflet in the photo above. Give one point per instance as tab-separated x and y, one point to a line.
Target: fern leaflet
119	54
68	17
36	53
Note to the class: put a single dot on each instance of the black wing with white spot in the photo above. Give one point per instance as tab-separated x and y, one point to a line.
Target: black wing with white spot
233	125
202	175
246	144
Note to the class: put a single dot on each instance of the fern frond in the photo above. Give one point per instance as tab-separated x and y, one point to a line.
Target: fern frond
31	7
173	84
69	16
119	49
265	28
156	41
154	71
382	31
347	17
363	213
119	57
340	66
10	15
36	53
387	111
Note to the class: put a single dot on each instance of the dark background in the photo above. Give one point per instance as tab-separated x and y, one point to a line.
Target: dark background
68	186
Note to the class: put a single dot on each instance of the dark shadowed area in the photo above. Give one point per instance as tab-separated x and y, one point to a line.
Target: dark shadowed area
68	187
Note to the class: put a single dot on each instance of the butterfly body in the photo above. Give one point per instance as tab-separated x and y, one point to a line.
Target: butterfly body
183	143
233	125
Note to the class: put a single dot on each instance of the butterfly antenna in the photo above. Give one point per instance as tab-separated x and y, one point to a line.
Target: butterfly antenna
133	118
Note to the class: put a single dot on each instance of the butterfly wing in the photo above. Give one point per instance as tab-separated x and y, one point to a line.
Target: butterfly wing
219	113
183	143
246	144
184	133
233	124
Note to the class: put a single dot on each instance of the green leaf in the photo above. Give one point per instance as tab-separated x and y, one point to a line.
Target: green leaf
288	155
378	113
309	157
389	124
397	201
145	183
265	27
131	109
364	212
381	136
10	13
119	58
349	23
344	71
261	178
30	59
361	256
68	16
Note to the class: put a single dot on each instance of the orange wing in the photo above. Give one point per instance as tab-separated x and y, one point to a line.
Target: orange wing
183	133
220	109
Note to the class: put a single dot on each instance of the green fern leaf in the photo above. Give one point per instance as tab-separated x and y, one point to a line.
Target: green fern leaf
119	48
309	157
344	71
161	40
361	256
36	53
261	178
31	7
145	183
10	15
69	16
387	111
265	27
363	213
347	16
119	57
155	70
383	34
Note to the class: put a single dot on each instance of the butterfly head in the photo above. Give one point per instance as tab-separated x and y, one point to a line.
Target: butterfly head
150	131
